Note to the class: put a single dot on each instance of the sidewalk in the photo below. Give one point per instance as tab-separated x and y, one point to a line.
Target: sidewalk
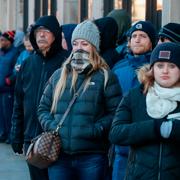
12	166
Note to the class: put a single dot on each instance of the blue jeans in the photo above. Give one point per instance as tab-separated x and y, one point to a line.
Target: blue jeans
79	167
119	167
120	162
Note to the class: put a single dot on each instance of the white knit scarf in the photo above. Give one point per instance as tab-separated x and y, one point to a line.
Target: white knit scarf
161	101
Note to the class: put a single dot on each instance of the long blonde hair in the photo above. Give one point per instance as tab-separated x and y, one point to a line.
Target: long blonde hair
146	76
97	63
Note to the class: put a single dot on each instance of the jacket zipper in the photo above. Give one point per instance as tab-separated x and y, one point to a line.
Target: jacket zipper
160	158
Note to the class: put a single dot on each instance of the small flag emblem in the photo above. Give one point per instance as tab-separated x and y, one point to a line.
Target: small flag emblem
164	54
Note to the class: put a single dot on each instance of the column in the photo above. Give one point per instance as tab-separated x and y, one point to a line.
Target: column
97	9
67	11
170	12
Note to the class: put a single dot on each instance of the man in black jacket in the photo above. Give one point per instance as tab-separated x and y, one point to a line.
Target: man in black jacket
45	37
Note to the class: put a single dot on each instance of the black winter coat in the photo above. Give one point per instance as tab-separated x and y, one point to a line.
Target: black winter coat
31	80
86	128
151	157
32	77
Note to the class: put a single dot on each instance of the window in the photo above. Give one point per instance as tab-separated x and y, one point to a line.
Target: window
117	4
138	10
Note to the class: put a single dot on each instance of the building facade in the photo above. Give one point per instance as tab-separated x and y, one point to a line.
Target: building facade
18	14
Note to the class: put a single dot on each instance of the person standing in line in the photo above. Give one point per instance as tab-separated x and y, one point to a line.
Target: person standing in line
67	30
142	39
169	33
8	57
21	58
18	40
123	21
45	37
147	118
108	34
84	133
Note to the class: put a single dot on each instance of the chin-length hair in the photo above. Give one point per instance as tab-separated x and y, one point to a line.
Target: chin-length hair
97	62
145	76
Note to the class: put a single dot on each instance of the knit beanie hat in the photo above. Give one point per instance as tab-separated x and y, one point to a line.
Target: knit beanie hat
9	35
171	31
168	52
88	31
147	27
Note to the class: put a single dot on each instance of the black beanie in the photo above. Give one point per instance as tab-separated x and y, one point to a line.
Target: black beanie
166	52
171	31
147	27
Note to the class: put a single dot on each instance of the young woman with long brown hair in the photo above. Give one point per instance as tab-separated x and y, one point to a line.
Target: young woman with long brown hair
84	133
147	119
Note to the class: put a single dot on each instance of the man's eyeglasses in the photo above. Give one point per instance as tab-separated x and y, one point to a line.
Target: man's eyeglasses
42	30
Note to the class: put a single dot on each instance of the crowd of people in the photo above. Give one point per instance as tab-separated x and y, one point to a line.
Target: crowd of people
124	123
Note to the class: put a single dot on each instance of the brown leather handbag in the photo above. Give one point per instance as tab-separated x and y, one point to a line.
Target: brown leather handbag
45	148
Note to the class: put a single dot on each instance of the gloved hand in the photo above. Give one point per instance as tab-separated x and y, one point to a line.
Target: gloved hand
166	128
163	128
17	147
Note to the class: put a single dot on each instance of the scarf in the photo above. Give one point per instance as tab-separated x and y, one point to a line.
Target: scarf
161	101
80	60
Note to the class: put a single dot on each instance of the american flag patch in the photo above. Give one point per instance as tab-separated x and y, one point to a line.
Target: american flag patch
164	54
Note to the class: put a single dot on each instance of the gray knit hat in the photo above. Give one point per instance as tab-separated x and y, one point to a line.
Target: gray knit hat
88	31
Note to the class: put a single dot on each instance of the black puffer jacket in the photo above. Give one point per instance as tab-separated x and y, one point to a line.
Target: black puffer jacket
31	80
85	130
151	157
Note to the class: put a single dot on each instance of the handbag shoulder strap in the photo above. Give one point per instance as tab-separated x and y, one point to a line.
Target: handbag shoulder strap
69	107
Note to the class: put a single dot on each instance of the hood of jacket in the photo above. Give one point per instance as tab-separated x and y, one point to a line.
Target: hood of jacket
51	23
18	38
68	29
123	21
108	33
